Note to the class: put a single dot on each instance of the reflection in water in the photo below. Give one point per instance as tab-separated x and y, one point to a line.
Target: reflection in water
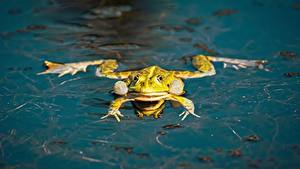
113	29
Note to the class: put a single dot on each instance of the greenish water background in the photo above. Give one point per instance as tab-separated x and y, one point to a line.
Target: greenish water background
51	122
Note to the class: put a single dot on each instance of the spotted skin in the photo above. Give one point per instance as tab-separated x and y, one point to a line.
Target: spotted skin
149	88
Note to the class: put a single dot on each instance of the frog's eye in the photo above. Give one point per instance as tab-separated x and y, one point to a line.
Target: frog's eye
159	78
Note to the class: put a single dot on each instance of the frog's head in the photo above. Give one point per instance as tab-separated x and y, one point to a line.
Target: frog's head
151	80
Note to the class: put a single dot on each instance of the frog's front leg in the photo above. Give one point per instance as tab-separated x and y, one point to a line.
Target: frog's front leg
186	103
115	106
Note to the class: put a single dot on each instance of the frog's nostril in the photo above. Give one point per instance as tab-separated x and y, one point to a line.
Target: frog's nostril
142	83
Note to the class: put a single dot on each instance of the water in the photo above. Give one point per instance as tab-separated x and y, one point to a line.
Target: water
51	122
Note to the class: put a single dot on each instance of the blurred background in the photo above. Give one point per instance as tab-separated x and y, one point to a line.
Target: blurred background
249	118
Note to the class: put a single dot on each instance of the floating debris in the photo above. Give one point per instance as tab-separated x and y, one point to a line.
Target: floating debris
184	165
172	126
31	28
60	142
128	150
161	133
291	74
235	153
205	159
252	138
175	28
193	21
224	12
205	48
107	12
288	54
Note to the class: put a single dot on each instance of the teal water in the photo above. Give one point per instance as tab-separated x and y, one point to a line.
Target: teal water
50	122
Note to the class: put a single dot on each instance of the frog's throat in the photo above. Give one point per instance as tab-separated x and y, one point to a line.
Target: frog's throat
148	97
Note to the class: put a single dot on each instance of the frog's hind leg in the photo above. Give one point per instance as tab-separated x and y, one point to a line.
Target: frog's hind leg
68	68
204	68
235	63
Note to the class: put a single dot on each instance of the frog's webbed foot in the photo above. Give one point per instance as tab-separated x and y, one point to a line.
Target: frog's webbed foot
115	113
185	113
68	68
187	104
114	108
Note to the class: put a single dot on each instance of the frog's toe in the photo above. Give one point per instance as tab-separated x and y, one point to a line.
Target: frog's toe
98	72
115	113
186	113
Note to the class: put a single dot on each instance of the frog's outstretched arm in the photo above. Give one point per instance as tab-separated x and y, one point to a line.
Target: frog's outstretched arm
186	103
204	68
115	106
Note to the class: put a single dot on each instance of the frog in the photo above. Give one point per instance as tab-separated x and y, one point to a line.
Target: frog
151	87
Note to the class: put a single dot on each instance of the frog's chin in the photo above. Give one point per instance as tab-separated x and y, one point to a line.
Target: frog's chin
149	96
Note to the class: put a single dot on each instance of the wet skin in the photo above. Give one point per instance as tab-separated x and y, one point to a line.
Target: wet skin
149	88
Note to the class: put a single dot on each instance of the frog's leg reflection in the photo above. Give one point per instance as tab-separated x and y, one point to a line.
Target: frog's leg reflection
204	68
186	103
107	69
115	106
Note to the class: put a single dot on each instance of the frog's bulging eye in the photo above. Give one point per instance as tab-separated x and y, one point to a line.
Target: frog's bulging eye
159	78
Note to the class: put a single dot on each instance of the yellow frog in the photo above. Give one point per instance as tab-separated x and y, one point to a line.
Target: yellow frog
151	87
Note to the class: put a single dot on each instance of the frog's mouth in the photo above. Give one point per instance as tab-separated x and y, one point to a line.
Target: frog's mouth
149	97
